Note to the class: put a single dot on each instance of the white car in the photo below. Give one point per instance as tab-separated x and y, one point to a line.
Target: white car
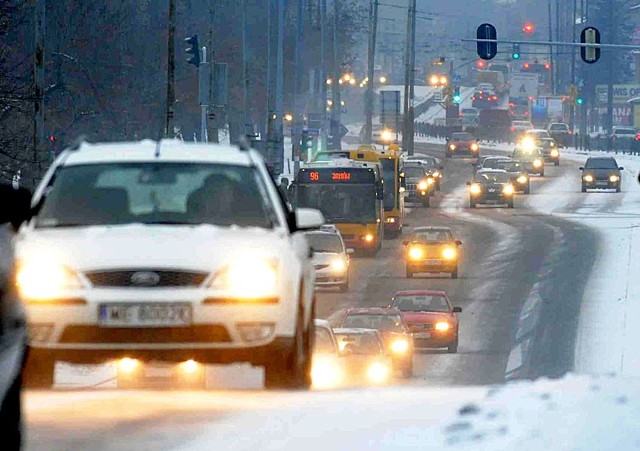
331	259
166	251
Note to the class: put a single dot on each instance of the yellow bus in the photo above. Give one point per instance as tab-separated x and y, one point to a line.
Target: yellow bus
394	185
349	195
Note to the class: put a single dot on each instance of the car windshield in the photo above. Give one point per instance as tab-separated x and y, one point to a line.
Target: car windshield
625	131
559	127
424	236
383	323
323	343
491	177
340	203
601	163
325	242
421	303
492	163
363	344
510	166
156	193
414	172
526	154
462	137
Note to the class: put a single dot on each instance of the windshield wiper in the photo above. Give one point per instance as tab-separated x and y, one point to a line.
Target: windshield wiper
167	223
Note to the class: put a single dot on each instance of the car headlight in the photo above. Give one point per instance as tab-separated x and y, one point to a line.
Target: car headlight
522	179
528	144
508	189
614	178
416	253
378	372
537	163
476	188
43	280
325	373
400	346
452	147
437	174
474	147
442	326
368	238
449	253
555	153
338	265
248	278
423	185
588	178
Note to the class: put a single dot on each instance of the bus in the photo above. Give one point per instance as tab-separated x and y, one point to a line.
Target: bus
349	194
394	184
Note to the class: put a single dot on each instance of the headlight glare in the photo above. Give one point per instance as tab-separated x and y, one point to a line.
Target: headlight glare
42	280
476	188
338	265
555	153
423	185
537	163
588	178
452	147
368	238
522	179
614	178
508	189
416	253
449	253
400	346
442	326
474	147
248	278
378	372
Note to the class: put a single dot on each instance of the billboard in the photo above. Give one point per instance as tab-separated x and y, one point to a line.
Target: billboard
621	93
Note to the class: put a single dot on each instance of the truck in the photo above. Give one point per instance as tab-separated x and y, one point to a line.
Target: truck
494	77
494	125
547	109
522	87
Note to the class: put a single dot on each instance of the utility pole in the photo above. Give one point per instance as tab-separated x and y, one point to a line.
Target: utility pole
412	80
171	69
552	61
335	87
407	80
246	127
38	75
271	73
279	89
297	107
212	124
368	101
572	107
204	89
323	74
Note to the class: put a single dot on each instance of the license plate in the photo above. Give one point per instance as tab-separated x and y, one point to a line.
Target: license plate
145	315
602	183
422	335
433	262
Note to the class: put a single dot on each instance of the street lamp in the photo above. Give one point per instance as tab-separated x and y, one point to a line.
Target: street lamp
383	79
288	117
434	80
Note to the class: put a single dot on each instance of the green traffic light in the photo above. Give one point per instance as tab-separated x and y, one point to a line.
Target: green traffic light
579	101
516	56
457	99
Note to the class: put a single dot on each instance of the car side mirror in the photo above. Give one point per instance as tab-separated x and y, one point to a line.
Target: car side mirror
458	243
620	168
457	310
581	168
308	219
405	243
16	207
468	183
351	251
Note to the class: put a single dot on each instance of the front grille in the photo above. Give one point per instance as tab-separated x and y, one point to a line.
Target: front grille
321	266
348	237
123	278
421	326
202	333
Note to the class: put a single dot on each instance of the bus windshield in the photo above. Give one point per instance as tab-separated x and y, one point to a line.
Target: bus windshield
340	203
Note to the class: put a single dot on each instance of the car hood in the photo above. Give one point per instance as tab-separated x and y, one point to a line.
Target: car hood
425	317
139	246
325	258
598	173
462	143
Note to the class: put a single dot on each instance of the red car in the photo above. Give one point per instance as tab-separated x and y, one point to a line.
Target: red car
463	144
431	318
395	333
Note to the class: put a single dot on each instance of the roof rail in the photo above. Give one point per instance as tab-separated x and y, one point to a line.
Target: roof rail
77	143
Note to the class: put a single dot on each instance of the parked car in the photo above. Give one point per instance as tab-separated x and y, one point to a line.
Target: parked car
561	133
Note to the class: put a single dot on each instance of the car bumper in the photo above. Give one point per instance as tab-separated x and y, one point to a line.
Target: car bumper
433	339
601	184
215	323
462	151
432	266
330	279
418	196
497	200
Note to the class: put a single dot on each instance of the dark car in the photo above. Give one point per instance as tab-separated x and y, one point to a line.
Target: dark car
561	133
432	164
420	184
517	173
464	144
601	173
531	158
13	333
396	335
543	140
431	318
491	187
432	250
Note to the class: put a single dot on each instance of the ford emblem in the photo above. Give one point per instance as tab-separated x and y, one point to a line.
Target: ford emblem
145	278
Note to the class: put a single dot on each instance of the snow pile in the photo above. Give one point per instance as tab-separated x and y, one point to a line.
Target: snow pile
576	412
438	112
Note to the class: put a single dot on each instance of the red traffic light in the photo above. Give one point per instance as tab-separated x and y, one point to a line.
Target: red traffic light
52	139
547	66
564	99
481	64
528	28
526	65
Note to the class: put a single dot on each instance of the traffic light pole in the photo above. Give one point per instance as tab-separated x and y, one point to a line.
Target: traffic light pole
38	120
335	87
171	70
297	110
412	81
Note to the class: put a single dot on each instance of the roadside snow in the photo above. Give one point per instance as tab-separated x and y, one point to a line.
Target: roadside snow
438	112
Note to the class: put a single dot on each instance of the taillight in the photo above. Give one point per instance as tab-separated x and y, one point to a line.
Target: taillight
570	132
513	129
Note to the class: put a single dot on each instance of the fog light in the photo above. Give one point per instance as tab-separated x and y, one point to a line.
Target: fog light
255	331
127	365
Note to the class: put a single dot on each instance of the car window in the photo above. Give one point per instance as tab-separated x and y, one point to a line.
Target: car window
421	303
156	193
383	323
359	343
462	137
325	242
492	177
601	163
414	171
558	127
624	131
511	166
431	236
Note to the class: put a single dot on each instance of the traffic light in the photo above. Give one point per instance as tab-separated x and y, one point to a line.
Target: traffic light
590	35
306	143
194	50
457	98
515	53
481	64
579	100
528	28
487	50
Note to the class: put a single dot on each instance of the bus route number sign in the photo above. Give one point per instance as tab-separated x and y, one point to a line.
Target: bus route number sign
359	175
